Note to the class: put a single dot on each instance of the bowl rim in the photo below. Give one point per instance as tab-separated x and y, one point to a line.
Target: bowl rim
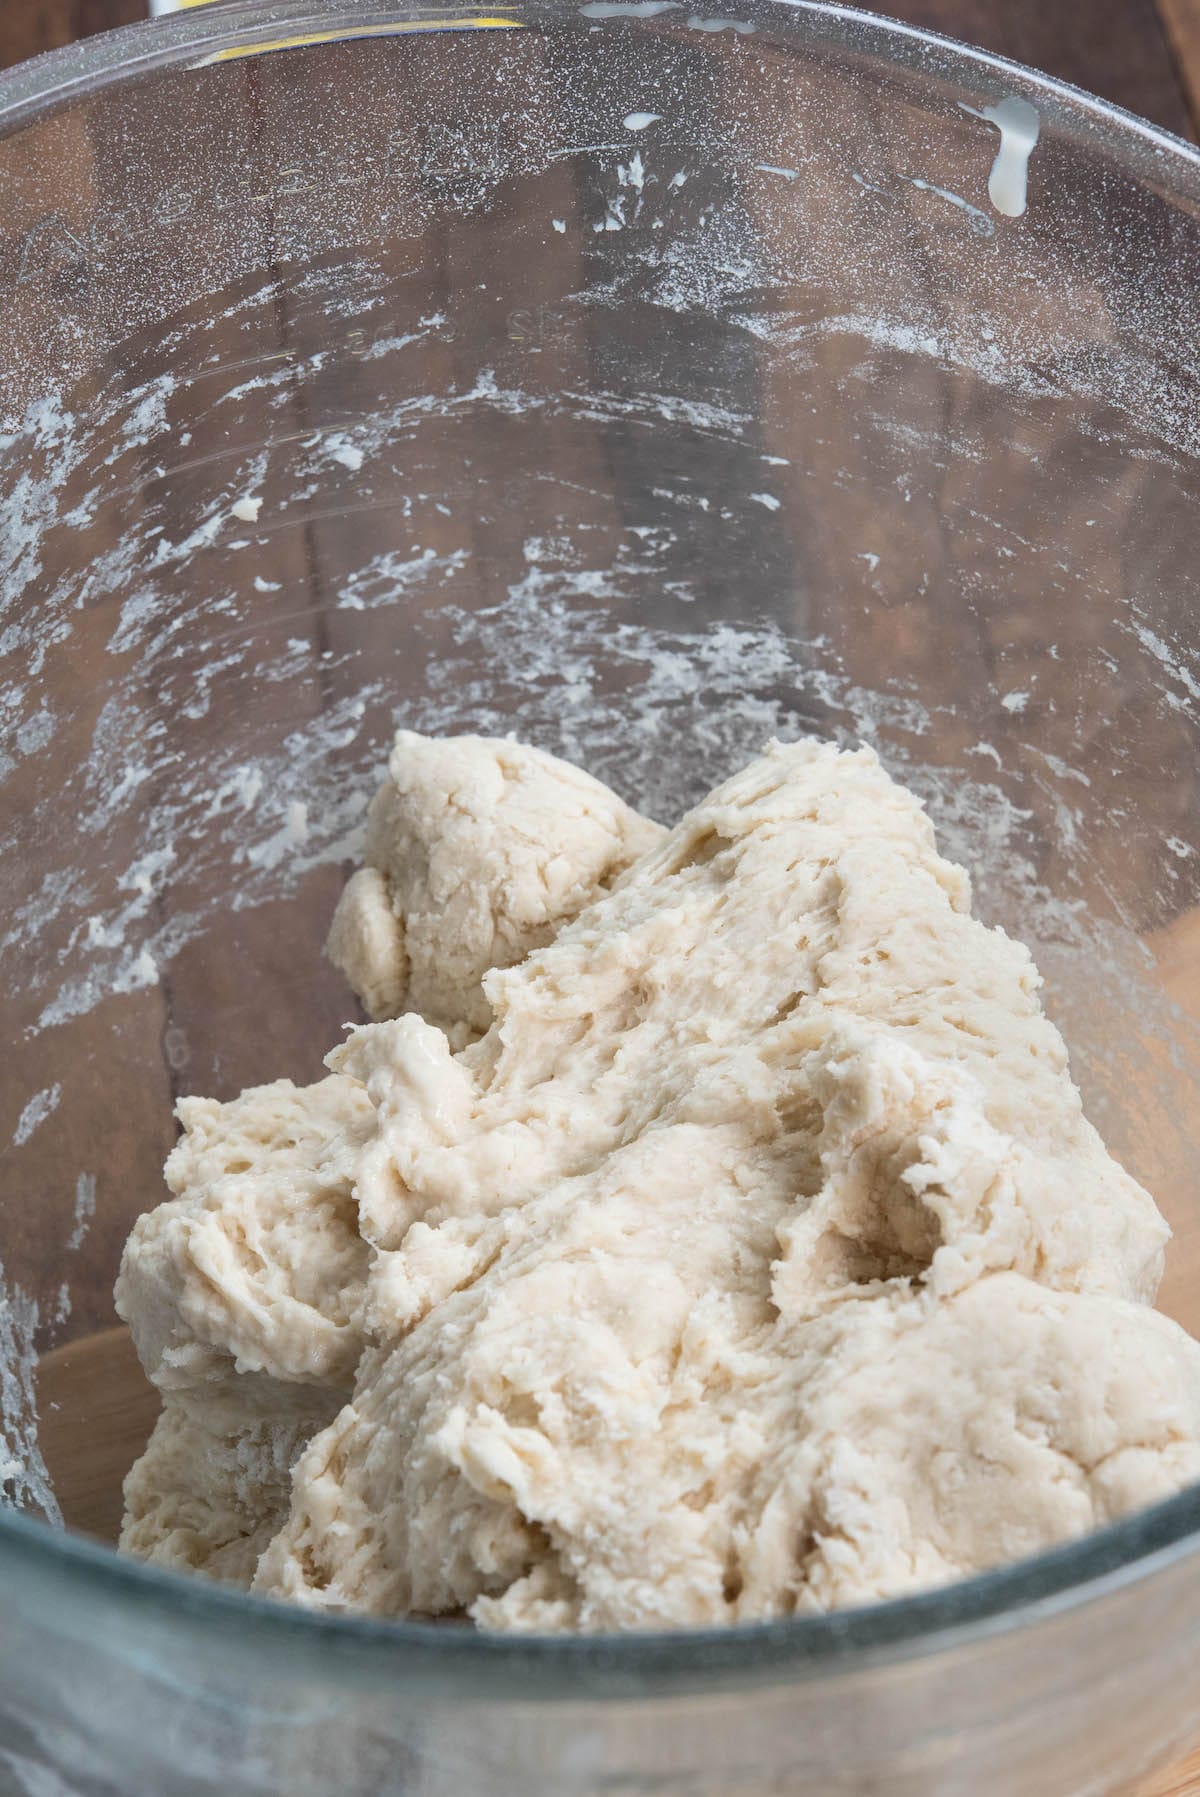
54	77
37	1561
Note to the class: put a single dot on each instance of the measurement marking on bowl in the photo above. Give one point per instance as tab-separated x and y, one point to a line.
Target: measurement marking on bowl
1019	125
50	247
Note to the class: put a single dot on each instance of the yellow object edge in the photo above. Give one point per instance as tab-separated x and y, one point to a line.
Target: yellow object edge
346	32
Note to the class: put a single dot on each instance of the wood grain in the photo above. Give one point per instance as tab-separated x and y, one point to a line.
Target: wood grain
28	27
96	1410
1119	49
1182	21
1182	1781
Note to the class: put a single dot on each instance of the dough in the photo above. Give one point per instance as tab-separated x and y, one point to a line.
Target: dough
244	1292
758	1258
242	1295
257	1264
214	1483
477	850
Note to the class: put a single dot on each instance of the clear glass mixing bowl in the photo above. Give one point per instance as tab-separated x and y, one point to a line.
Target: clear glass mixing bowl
645	383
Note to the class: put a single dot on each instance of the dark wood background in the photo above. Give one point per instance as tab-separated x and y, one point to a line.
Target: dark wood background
1142	54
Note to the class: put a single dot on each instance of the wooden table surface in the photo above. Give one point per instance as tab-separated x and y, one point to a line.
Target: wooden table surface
1141	54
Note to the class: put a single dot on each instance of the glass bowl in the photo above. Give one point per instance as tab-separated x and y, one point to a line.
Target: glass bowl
644	382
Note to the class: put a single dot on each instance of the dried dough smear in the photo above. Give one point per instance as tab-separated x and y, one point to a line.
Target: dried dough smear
758	1258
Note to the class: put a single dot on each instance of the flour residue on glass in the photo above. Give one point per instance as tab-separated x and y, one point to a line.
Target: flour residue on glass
699	22
36	1112
980	223
24	1480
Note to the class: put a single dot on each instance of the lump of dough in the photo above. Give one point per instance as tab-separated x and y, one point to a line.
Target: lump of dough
941	1440
890	1446
770	1108
477	850
214	1482
366	941
242	1294
256	1265
795	963
612	1451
